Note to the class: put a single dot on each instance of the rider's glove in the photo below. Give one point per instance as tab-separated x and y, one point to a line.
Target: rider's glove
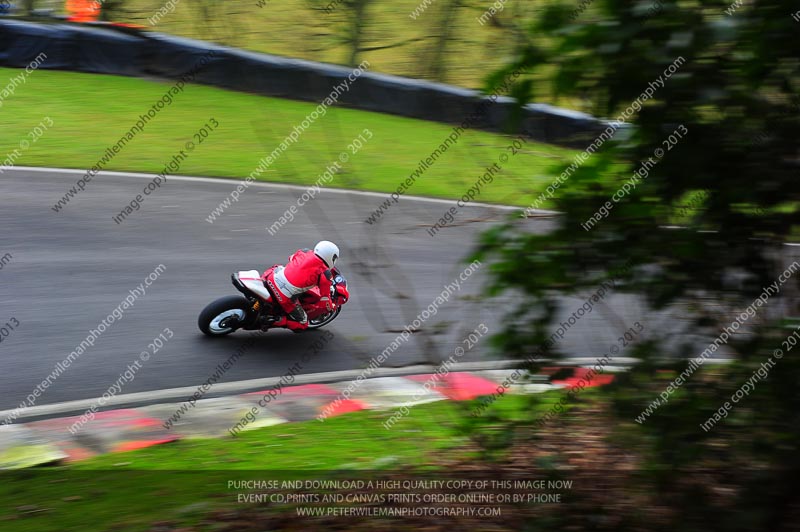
342	295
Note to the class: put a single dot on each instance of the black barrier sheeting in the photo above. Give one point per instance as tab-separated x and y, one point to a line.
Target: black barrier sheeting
98	49
21	42
70	47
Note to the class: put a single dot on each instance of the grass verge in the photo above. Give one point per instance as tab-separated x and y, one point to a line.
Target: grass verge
91	112
184	481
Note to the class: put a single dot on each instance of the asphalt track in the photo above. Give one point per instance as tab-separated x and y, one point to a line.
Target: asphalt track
69	270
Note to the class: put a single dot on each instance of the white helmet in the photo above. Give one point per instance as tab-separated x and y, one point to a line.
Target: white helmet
327	251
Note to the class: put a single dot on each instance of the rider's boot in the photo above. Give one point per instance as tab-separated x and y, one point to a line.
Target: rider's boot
292	325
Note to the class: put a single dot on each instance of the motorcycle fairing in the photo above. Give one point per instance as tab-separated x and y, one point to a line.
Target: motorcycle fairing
252	280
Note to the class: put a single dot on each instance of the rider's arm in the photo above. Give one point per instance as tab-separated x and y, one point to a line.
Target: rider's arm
324	284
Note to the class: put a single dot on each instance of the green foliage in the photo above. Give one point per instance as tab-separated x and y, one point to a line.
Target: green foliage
735	95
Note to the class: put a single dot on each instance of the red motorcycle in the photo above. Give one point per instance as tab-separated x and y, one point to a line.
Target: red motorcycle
255	309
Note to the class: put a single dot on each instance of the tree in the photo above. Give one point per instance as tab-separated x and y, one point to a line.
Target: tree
726	119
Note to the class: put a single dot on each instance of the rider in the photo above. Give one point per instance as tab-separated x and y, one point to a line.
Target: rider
305	270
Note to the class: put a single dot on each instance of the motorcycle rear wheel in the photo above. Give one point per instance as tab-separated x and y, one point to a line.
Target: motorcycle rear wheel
223	316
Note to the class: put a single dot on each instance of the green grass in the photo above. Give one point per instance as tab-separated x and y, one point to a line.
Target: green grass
351	441
183	481
91	112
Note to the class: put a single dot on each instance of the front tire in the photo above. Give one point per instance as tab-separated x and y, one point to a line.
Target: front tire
323	320
223	316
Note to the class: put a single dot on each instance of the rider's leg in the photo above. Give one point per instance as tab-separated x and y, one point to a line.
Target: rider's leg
297	320
285	302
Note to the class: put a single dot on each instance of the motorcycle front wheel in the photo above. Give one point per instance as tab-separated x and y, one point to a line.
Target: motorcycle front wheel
323	320
223	316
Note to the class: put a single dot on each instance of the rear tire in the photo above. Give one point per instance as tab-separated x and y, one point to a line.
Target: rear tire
223	316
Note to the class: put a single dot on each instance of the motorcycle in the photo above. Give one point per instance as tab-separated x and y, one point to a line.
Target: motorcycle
256	310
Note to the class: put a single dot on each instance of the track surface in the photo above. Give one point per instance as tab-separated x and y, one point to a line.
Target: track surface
72	268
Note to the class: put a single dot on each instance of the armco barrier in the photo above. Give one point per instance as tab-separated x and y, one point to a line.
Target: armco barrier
103	49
